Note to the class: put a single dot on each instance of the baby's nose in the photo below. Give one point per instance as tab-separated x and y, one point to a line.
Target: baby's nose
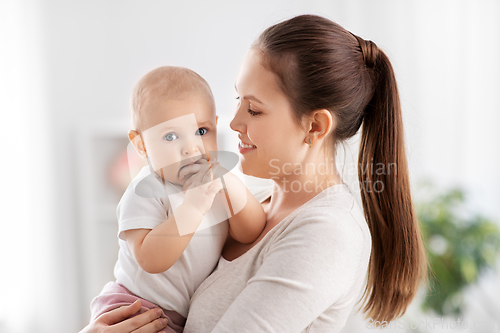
190	149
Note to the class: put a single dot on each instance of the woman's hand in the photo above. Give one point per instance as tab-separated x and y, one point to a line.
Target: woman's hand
115	321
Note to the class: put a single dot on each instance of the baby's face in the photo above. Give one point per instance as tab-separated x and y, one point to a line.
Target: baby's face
180	133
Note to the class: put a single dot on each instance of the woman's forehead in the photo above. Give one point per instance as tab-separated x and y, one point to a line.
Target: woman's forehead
255	82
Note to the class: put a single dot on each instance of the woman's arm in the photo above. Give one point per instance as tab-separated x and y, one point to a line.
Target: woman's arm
311	266
248	218
115	321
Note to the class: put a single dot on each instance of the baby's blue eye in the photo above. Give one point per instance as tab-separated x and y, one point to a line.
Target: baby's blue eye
170	137
201	131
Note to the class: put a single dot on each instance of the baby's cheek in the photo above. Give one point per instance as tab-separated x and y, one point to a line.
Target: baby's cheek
164	158
209	145
167	162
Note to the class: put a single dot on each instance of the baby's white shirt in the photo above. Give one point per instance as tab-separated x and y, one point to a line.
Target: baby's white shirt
172	289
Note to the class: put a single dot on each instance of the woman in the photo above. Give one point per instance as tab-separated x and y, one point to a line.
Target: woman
307	85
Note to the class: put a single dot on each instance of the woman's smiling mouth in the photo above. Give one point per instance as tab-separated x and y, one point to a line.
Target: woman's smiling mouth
245	147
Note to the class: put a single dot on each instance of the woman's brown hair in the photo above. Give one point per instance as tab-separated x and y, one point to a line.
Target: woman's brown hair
320	65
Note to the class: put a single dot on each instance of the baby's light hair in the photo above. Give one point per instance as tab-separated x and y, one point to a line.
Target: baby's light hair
168	82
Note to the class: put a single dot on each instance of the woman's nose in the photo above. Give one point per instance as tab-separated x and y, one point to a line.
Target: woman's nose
237	123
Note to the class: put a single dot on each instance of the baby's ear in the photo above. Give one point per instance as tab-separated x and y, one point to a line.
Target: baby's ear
216	119
136	140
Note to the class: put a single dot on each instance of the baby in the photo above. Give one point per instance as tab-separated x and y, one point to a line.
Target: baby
175	215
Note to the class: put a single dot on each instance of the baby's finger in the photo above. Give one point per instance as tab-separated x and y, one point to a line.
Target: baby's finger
214	170
189	182
192	182
196	179
208	177
217	170
191	168
215	186
199	180
201	161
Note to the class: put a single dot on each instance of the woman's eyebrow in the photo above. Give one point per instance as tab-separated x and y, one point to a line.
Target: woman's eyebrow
252	97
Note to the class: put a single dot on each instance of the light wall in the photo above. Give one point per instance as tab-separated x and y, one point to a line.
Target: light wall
68	67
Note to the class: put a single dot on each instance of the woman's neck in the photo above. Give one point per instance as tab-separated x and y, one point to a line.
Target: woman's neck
292	191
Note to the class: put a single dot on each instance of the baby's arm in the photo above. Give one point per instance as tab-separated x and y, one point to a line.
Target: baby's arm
156	250
249	218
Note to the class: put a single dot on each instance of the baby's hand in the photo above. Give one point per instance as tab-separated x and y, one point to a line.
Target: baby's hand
234	192
201	189
191	169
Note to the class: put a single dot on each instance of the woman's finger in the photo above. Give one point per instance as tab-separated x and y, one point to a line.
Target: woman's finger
139	321
119	314
152	327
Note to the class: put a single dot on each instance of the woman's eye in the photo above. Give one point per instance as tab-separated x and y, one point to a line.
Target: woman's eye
170	137
253	113
201	131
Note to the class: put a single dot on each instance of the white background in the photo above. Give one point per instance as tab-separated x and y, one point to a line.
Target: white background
66	72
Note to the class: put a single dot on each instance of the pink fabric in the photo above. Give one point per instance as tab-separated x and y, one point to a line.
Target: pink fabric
114	295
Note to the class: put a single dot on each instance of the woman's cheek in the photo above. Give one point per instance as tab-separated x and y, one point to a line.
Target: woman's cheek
264	134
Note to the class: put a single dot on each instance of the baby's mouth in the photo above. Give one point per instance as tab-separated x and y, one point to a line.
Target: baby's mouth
187	170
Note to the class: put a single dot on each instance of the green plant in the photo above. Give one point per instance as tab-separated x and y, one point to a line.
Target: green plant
460	247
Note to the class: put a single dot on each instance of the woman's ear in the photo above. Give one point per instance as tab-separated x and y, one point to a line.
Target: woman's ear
319	124
136	140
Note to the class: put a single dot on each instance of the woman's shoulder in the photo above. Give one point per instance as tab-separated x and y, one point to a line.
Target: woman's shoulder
328	226
332	212
334	197
262	190
333	202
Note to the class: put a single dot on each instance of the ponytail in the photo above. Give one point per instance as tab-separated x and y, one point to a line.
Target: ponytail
398	260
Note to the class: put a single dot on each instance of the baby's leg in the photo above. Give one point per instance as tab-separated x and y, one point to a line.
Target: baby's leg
114	295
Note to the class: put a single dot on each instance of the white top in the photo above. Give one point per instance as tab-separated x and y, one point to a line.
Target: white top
147	203
305	275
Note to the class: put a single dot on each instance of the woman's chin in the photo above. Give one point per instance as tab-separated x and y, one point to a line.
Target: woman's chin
246	168
253	170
